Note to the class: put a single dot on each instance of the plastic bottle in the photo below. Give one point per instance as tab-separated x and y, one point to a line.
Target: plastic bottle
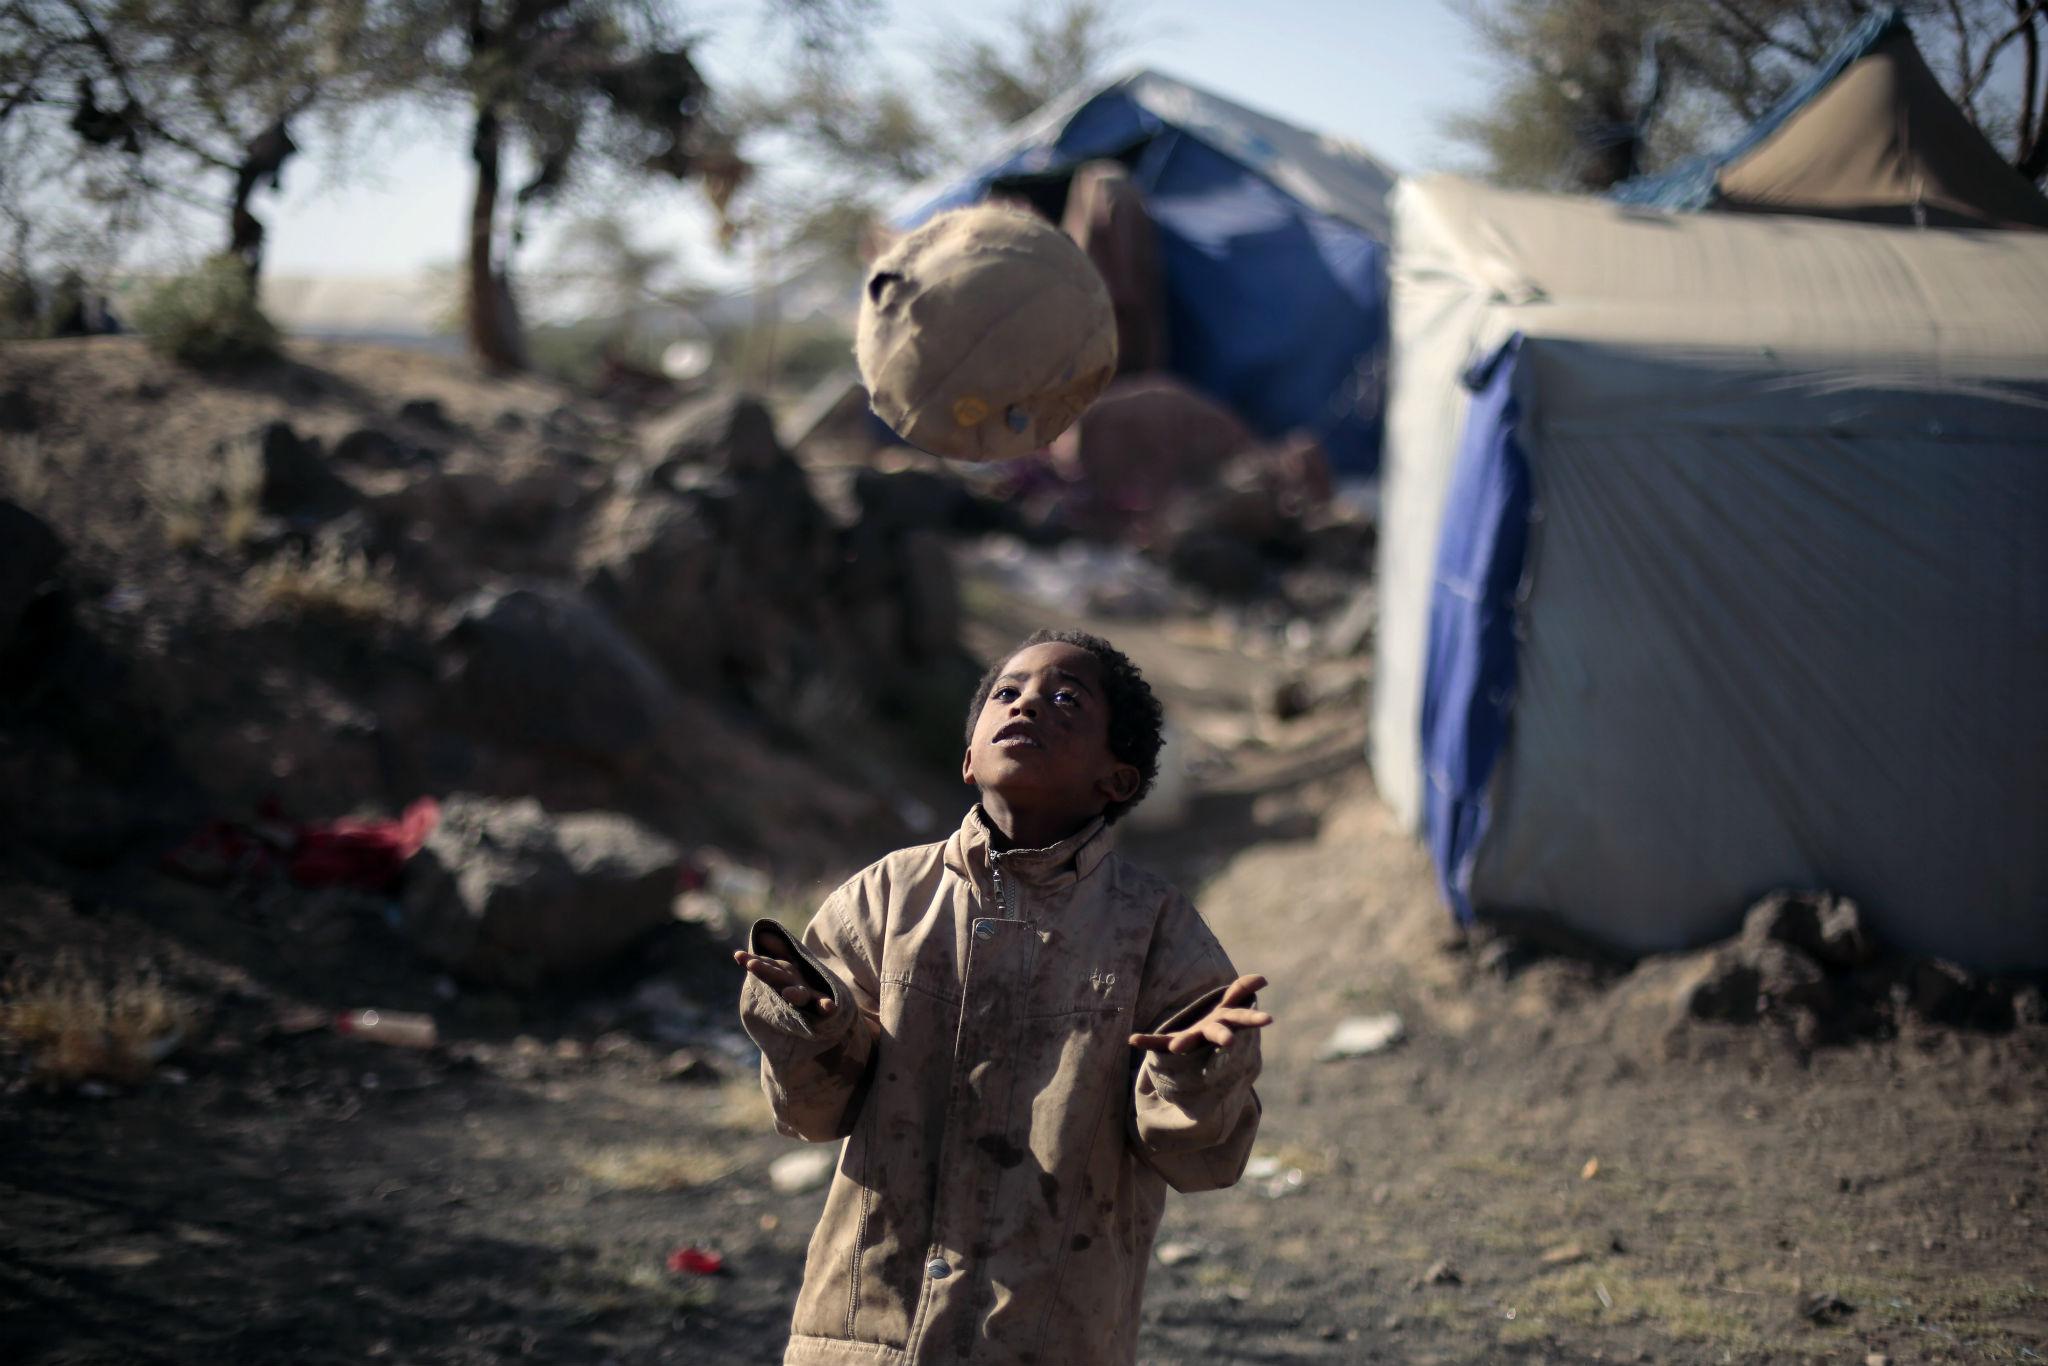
394	1027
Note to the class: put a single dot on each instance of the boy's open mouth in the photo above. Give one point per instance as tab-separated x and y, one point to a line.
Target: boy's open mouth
1017	735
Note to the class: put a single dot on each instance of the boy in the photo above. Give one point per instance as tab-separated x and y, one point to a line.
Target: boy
962	1014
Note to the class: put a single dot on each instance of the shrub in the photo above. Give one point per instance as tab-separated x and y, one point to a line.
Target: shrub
20	306
208	317
330	583
79	1027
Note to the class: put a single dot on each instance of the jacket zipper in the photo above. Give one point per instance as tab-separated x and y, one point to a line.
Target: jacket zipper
1005	906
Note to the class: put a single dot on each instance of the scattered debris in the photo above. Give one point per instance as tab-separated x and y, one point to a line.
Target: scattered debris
1363	1035
301	1020
803	1170
400	1029
1273	1180
746	888
1825	1306
686	1066
1175	1254
1439	1273
369	855
1564	1254
695	1261
427	412
1590	1170
1285	697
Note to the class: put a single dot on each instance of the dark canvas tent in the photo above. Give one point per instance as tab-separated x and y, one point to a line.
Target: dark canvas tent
1272	246
1870	136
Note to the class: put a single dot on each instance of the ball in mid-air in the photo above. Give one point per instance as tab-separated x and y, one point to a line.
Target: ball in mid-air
984	333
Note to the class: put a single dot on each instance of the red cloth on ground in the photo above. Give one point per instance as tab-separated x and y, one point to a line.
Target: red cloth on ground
365	854
369	855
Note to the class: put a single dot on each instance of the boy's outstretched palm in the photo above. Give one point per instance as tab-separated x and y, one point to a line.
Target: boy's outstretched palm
1219	1027
783	976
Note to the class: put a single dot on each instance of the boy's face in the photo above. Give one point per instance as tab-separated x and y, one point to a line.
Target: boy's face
1041	744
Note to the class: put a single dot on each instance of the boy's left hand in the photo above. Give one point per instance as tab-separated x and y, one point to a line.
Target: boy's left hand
1218	1028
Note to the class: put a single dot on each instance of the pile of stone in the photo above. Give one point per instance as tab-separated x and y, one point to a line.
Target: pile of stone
1808	961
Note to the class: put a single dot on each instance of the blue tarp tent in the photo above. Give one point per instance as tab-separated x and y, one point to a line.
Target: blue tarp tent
1272	247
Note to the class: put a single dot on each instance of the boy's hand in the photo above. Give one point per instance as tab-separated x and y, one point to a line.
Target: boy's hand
782	975
1219	1027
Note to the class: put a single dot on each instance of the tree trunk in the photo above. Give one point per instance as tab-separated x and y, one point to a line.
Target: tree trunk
2032	158
494	334
263	159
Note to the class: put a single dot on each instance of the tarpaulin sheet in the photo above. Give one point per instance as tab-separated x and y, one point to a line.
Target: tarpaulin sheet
1785	616
1470	677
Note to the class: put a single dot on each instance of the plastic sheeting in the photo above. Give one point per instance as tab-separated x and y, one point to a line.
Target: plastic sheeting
1785	618
1470	679
1275	279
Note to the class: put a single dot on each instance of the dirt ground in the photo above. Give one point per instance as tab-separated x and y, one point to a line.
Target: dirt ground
1553	1165
1546	1169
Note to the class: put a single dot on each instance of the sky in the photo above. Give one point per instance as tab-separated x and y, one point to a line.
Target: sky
1379	72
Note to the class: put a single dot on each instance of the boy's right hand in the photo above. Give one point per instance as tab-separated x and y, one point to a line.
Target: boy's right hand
782	975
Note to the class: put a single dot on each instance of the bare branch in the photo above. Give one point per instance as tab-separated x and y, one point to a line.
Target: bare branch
1975	77
1762	35
2029	94
118	69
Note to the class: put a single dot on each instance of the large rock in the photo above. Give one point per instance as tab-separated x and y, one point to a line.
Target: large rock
504	894
377	449
1823	926
540	667
18	411
29	555
283	474
1788	979
652	561
730	434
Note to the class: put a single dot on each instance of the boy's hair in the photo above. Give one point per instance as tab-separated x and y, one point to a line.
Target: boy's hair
1135	720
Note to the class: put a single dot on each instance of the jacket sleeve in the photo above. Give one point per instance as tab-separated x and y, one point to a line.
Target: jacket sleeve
815	1068
1195	1114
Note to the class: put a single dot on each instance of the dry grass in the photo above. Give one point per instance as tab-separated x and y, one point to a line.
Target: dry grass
743	1107
78	1026
331	583
654	1167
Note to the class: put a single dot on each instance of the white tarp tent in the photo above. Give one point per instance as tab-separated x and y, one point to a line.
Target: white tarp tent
1729	573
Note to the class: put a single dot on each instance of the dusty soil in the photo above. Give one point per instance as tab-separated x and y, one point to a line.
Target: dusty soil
516	1194
1555	1165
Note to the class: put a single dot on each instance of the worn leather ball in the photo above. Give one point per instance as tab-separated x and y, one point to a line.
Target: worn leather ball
984	334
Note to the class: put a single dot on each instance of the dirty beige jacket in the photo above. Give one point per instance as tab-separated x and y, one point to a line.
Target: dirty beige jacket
1007	1152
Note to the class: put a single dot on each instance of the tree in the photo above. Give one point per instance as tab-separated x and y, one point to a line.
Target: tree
583	88
1049	54
120	104
1595	91
860	141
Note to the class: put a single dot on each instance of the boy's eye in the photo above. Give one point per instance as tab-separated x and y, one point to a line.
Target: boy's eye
1004	693
1066	695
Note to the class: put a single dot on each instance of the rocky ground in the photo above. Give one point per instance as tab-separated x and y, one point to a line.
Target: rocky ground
1780	1149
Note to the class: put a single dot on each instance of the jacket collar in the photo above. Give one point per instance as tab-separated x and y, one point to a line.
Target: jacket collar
1059	865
